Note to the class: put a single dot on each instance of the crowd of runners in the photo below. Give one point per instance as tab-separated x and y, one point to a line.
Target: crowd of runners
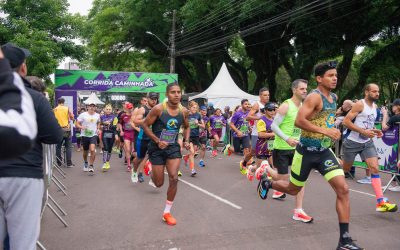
279	144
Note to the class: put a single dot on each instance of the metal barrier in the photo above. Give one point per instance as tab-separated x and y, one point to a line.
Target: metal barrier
50	164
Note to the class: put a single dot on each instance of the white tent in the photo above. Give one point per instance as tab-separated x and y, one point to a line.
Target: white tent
93	99
224	91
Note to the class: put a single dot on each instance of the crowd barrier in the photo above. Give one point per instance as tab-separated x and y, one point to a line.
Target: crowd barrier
388	152
50	169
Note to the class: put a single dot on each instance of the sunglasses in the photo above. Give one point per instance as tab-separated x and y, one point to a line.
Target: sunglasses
332	64
271	109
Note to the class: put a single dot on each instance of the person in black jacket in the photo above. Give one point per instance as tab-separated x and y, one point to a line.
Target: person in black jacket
21	178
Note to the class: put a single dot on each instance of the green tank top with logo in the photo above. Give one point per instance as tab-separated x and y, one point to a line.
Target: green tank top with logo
288	128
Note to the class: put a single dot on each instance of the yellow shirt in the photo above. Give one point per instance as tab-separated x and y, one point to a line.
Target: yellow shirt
62	116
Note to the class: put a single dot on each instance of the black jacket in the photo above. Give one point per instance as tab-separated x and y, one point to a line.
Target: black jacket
49	132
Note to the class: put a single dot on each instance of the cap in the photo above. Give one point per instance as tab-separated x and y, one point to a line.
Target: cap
270	106
153	95
129	105
396	102
14	54
203	108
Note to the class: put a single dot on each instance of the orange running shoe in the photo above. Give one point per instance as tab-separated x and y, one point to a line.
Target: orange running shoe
169	219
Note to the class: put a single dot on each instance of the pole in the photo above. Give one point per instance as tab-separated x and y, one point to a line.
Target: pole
172	50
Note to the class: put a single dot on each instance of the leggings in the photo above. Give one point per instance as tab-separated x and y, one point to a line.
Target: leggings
107	144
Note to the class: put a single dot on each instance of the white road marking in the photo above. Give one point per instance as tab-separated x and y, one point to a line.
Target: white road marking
360	192
211	194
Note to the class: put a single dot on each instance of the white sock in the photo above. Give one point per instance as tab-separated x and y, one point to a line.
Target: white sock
168	206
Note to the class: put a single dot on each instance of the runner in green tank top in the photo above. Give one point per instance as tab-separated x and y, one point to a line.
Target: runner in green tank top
316	119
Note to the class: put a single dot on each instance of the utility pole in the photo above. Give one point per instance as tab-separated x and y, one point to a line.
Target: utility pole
172	40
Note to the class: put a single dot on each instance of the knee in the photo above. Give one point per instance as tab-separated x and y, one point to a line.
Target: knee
294	191
173	180
374	170
342	191
158	183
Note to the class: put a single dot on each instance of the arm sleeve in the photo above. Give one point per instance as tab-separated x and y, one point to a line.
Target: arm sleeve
275	127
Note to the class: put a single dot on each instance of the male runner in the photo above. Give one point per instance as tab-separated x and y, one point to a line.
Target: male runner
316	118
203	135
89	124
361	123
287	137
164	151
142	140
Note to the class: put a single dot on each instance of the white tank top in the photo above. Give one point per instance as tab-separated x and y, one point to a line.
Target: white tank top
365	120
258	114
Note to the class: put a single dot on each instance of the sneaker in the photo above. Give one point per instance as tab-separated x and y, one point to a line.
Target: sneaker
226	150
151	183
394	188
262	188
348	244
278	195
134	177
193	173
243	169
79	150
169	219
300	215
179	173
85	167
104	168
202	164
186	159
141	177
365	180
107	165
91	169
386	206
147	168
250	173
128	169
260	172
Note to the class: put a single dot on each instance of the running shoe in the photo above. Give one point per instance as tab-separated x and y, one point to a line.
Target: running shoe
263	188
79	150
147	168
91	169
386	206
278	195
300	215
107	165
120	154
243	169
202	164
151	183
186	159
193	173
169	219
128	169
104	168
348	244
85	167
260	172
250	173
179	173
141	177
365	180
394	188
134	177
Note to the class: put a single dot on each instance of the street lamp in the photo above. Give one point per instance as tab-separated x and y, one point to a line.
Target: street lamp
159	39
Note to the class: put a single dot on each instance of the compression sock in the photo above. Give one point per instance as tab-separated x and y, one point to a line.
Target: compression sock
377	185
168	206
344	230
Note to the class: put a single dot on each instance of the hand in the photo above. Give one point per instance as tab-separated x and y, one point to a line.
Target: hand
333	133
370	133
292	142
196	122
186	145
162	144
239	134
384	110
378	132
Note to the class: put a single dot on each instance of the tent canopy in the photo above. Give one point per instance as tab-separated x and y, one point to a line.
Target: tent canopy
224	91
93	99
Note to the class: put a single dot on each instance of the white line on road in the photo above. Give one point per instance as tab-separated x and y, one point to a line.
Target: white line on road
362	192
211	194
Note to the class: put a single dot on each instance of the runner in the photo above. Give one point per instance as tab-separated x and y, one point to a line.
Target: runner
360	121
120	137
164	151
241	137
217	121
195	122
142	139
203	135
316	119
128	133
88	122
287	137
266	137
108	123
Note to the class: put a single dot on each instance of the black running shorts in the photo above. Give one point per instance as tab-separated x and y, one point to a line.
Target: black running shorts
159	156
141	148
282	159
203	140
244	141
86	141
195	140
304	161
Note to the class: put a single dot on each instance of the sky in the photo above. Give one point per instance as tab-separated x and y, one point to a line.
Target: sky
80	6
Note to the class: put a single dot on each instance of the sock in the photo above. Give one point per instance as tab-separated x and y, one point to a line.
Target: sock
105	154
377	185
191	165
298	210
168	206
344	230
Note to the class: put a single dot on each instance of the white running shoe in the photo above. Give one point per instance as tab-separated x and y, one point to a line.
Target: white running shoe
134	177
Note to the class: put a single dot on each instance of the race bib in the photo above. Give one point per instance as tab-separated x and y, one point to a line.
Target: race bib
168	136
296	132
108	135
88	133
128	126
244	128
218	124
193	124
270	144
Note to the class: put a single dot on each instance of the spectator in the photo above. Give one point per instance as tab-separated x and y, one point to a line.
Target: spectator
37	84
227	114
17	116
21	178
210	109
64	116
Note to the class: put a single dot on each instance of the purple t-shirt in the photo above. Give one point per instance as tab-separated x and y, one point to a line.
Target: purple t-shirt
239	120
203	132
108	118
217	122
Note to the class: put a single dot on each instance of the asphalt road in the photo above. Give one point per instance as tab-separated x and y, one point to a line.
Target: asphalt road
217	209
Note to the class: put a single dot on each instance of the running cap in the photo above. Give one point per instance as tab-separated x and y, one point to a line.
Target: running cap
396	102
321	68
203	108
128	105
15	55
270	106
153	95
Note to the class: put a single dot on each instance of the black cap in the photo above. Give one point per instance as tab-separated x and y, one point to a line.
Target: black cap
153	95
15	55
396	102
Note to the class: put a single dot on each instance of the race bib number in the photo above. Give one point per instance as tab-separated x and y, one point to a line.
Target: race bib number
108	135
88	133
168	136
218	124
270	144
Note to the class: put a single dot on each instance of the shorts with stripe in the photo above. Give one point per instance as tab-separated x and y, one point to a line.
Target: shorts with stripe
141	148
304	161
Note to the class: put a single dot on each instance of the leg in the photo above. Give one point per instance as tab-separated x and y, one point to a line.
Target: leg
68	150
286	187
58	152
216	141
172	169
191	156
127	149
92	149
341	189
